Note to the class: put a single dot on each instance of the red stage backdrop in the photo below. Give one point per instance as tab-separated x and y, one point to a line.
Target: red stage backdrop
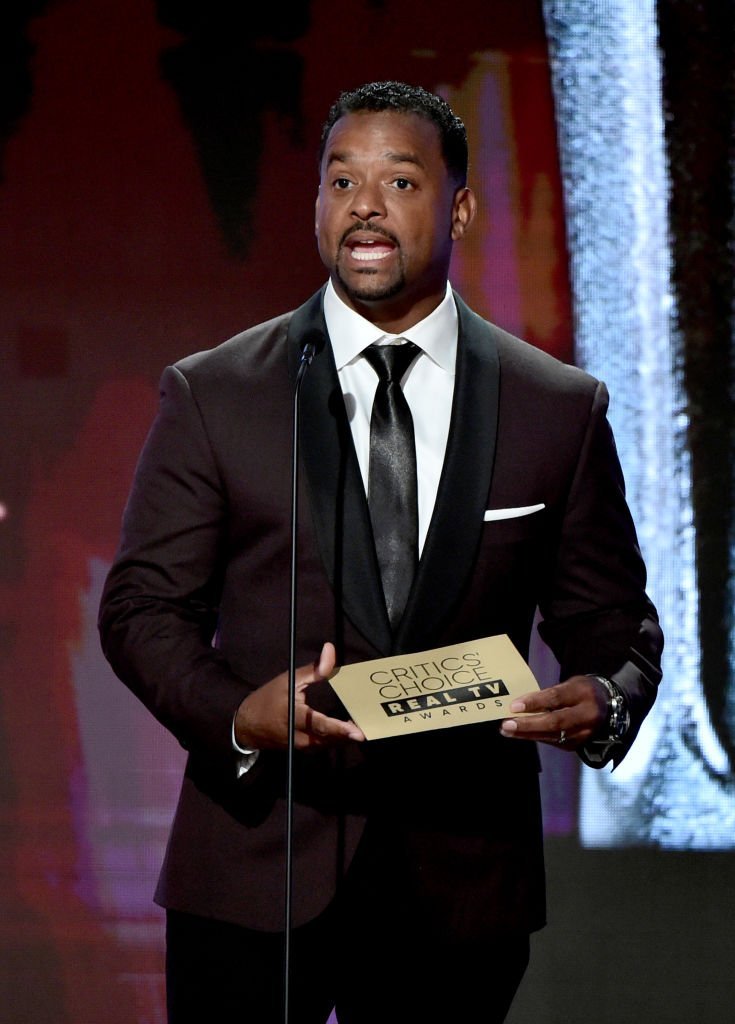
158	182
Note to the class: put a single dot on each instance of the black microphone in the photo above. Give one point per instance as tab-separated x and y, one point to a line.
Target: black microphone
312	343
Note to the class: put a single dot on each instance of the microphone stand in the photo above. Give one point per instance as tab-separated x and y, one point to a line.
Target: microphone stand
307	354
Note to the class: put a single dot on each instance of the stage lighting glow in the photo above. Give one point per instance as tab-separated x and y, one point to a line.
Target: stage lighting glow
675	789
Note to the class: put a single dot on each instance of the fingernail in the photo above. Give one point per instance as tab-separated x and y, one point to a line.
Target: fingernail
508	727
518	705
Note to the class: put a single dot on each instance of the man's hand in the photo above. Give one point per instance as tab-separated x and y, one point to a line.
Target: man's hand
261	722
568	714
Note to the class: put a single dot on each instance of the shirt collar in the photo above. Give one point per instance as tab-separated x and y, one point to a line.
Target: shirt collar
351	333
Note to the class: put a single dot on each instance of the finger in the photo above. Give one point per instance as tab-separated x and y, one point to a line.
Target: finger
539	700
545	727
554	736
327	661
321	668
317	728
571	726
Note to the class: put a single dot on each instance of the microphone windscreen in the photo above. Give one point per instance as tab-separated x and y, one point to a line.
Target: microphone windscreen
313	342
311	345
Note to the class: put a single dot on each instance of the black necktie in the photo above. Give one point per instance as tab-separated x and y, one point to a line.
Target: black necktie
392	488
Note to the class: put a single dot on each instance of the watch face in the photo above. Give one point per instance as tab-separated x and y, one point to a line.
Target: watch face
618	718
619	729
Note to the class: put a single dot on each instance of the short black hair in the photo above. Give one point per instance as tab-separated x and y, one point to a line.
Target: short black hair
406	99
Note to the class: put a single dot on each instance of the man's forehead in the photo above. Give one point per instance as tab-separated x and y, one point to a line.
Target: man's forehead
339	154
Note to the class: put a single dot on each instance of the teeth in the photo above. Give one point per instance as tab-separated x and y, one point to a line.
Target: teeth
364	254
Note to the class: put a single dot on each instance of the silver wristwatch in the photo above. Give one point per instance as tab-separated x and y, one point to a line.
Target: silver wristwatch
598	750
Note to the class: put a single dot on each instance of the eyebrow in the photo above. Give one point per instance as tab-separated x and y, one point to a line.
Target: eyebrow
394	158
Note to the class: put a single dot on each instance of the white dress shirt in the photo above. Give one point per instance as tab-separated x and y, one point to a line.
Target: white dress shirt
429	390
428	386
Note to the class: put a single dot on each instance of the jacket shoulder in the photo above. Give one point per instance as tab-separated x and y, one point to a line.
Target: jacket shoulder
253	351
523	359
525	362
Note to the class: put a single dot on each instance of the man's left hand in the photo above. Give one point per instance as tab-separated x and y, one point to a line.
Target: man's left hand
568	714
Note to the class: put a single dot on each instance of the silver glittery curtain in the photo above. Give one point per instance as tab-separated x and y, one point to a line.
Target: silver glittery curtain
672	790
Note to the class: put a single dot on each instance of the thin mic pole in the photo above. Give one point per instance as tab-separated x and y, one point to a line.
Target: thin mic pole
307	354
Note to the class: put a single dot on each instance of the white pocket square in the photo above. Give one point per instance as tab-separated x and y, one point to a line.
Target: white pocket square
493	514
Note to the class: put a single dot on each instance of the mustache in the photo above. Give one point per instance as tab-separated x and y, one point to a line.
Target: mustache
374	229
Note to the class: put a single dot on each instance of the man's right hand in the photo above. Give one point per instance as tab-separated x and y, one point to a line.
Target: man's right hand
261	722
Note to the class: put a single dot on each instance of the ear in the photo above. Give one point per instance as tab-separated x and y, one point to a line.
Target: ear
316	215
464	208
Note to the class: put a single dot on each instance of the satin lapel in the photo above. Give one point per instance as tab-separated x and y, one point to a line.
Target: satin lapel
339	507
454	534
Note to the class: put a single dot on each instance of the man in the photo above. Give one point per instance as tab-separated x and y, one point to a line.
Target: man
419	869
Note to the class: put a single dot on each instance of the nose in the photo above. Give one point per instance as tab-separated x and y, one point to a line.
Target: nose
368	202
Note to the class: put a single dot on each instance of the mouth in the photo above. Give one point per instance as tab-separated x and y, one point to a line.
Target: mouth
369	251
369	247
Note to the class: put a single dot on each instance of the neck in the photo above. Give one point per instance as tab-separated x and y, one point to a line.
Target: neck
394	315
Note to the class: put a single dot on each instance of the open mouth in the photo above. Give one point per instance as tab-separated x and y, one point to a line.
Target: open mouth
370	250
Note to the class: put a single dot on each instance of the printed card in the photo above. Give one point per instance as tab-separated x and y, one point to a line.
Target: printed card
438	689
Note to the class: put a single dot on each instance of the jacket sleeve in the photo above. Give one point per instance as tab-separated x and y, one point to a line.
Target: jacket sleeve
597	616
158	614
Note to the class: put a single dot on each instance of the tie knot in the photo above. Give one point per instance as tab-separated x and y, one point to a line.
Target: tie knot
390	362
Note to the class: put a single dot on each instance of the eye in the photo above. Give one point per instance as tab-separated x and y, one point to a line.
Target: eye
341	184
403	184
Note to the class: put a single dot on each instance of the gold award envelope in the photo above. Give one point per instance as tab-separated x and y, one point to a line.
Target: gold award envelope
457	685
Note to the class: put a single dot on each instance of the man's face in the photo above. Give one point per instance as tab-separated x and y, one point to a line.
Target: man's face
387	215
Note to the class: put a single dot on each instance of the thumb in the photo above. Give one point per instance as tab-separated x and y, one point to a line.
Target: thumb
321	668
327	662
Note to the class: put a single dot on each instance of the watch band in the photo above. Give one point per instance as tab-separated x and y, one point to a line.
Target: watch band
597	751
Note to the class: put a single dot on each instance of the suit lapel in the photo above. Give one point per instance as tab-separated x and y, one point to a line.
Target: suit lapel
455	530
339	507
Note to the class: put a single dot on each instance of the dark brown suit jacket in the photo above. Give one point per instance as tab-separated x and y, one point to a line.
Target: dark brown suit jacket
195	614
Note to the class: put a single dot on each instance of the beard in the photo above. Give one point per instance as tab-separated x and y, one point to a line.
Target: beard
368	290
